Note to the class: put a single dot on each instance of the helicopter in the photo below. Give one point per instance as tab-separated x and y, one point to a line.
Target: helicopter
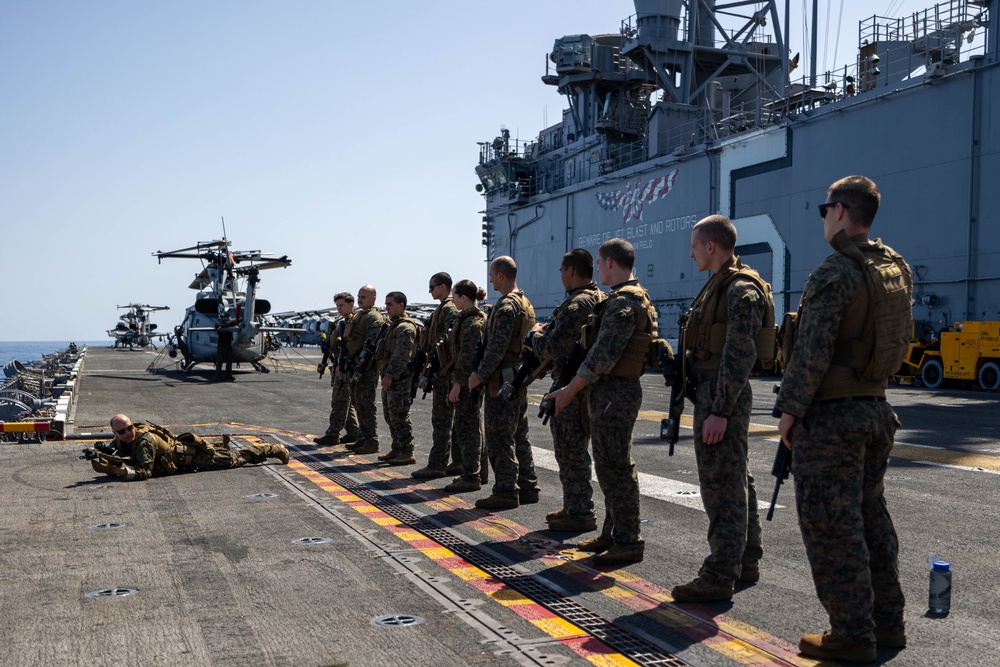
226	303
135	328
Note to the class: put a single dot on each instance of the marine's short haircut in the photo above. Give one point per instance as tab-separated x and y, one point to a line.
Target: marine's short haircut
468	289
367	288
397	297
718	229
506	266
442	278
862	196
620	250
580	261
345	296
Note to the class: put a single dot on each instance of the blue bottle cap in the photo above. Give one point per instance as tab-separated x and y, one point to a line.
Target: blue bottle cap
942	566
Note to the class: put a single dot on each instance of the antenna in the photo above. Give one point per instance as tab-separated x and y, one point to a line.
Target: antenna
223	228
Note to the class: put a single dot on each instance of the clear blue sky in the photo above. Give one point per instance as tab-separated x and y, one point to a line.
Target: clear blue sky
342	134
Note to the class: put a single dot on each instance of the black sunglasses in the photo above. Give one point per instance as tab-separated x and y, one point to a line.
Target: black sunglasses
124	430
824	207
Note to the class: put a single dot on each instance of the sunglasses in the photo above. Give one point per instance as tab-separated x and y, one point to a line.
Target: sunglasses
124	430
823	208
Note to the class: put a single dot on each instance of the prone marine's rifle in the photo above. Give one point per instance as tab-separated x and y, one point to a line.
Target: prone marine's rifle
675	378
567	367
105	451
782	463
368	352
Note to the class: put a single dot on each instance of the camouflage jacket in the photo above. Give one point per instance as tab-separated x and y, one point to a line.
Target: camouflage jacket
744	311
568	318
466	333
502	326
397	345
619	315
828	292
147	455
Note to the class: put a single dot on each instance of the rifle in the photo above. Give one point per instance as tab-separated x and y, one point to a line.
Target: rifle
431	368
477	358
327	346
529	364
341	347
782	463
416	365
367	352
566	367
674	377
105	451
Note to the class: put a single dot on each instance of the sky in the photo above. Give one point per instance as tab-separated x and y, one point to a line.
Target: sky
342	134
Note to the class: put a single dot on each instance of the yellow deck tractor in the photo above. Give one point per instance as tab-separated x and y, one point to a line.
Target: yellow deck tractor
965	351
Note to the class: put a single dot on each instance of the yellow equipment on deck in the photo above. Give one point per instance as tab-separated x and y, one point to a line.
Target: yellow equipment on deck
965	351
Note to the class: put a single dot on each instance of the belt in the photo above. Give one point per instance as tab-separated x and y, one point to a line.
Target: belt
848	399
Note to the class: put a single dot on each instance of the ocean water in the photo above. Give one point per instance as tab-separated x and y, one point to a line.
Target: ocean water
33	350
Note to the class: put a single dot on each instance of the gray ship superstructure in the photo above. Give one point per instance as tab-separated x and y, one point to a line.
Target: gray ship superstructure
674	118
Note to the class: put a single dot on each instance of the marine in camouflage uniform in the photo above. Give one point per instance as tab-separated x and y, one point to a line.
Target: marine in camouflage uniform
343	417
366	324
442	410
732	304
571	427
617	343
392	358
506	421
465	335
841	430
153	451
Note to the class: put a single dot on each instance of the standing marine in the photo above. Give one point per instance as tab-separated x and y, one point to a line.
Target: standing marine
442	410
360	332
392	357
720	347
342	413
852	330
465	337
506	420
571	427
617	345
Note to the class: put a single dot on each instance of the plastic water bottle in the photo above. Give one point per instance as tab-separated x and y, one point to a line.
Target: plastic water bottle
939	599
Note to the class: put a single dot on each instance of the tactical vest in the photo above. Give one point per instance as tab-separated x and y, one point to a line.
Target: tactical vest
358	329
387	345
641	346
525	315
435	326
164	456
875	333
707	319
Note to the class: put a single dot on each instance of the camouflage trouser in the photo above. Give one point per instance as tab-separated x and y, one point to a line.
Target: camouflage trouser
442	423
468	431
342	414
396	411
839	458
727	489
363	398
507	443
614	405
217	456
571	442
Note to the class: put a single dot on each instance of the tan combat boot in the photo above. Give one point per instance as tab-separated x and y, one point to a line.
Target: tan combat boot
828	646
